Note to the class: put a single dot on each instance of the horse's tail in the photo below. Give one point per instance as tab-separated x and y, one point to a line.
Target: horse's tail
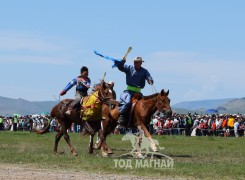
46	128
43	131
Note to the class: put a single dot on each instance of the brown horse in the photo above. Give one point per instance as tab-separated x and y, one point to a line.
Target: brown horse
141	116
91	125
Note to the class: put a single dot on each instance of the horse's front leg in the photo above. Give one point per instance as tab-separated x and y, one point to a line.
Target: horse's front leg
148	135
99	144
91	133
91	143
105	132
57	139
104	124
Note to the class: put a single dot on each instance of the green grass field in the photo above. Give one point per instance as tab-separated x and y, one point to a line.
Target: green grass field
194	157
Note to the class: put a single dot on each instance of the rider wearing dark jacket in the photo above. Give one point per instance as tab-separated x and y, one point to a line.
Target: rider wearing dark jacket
135	80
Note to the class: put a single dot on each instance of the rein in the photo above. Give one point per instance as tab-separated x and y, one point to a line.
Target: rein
153	89
156	100
103	98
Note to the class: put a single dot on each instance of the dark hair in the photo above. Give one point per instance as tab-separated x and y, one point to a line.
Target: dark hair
84	68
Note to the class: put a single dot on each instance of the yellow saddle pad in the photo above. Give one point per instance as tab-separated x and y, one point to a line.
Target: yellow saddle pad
91	107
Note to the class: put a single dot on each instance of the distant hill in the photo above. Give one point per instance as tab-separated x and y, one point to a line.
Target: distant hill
230	105
203	104
234	106
9	106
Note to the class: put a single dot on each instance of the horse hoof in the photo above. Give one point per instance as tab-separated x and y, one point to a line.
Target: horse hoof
104	154
139	156
109	151
154	148
91	152
74	154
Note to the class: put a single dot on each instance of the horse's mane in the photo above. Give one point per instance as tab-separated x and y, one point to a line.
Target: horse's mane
150	96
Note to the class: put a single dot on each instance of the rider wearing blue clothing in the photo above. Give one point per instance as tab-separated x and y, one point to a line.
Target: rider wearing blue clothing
135	80
82	83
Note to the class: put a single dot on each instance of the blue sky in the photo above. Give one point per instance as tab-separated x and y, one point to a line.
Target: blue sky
193	48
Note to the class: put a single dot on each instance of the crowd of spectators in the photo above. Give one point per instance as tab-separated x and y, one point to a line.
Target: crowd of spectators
23	123
28	122
199	125
179	124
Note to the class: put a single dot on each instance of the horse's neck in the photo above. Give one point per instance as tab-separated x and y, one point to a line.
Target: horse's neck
150	104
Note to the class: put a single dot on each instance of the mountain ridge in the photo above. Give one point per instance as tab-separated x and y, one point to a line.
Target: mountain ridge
206	104
10	106
229	105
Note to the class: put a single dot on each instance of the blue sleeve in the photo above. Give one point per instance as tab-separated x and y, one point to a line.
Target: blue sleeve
122	66
70	84
148	76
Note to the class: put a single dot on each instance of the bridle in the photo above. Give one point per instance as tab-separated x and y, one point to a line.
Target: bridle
102	98
159	103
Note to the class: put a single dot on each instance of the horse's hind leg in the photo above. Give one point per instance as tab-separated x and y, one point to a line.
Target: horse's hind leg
57	139
100	137
67	138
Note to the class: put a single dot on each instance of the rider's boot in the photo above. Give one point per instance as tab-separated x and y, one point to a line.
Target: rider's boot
121	119
122	114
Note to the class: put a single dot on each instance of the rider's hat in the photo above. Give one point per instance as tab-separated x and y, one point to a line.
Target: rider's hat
138	59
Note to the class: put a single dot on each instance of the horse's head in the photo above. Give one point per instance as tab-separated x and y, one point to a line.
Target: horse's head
163	103
104	90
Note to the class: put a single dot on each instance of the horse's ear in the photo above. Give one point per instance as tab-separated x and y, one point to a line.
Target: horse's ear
163	93
102	82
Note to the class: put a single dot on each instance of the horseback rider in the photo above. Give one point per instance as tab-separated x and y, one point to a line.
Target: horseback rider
112	91
82	83
135	80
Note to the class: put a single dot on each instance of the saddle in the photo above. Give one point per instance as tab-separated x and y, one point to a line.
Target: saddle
137	96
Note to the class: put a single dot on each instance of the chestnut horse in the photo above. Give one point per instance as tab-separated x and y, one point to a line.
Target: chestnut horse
92	125
141	116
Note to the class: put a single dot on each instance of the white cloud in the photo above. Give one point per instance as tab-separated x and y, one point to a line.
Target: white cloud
14	41
200	76
35	60
36	48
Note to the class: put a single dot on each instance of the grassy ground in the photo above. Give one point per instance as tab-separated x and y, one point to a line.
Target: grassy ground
194	157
